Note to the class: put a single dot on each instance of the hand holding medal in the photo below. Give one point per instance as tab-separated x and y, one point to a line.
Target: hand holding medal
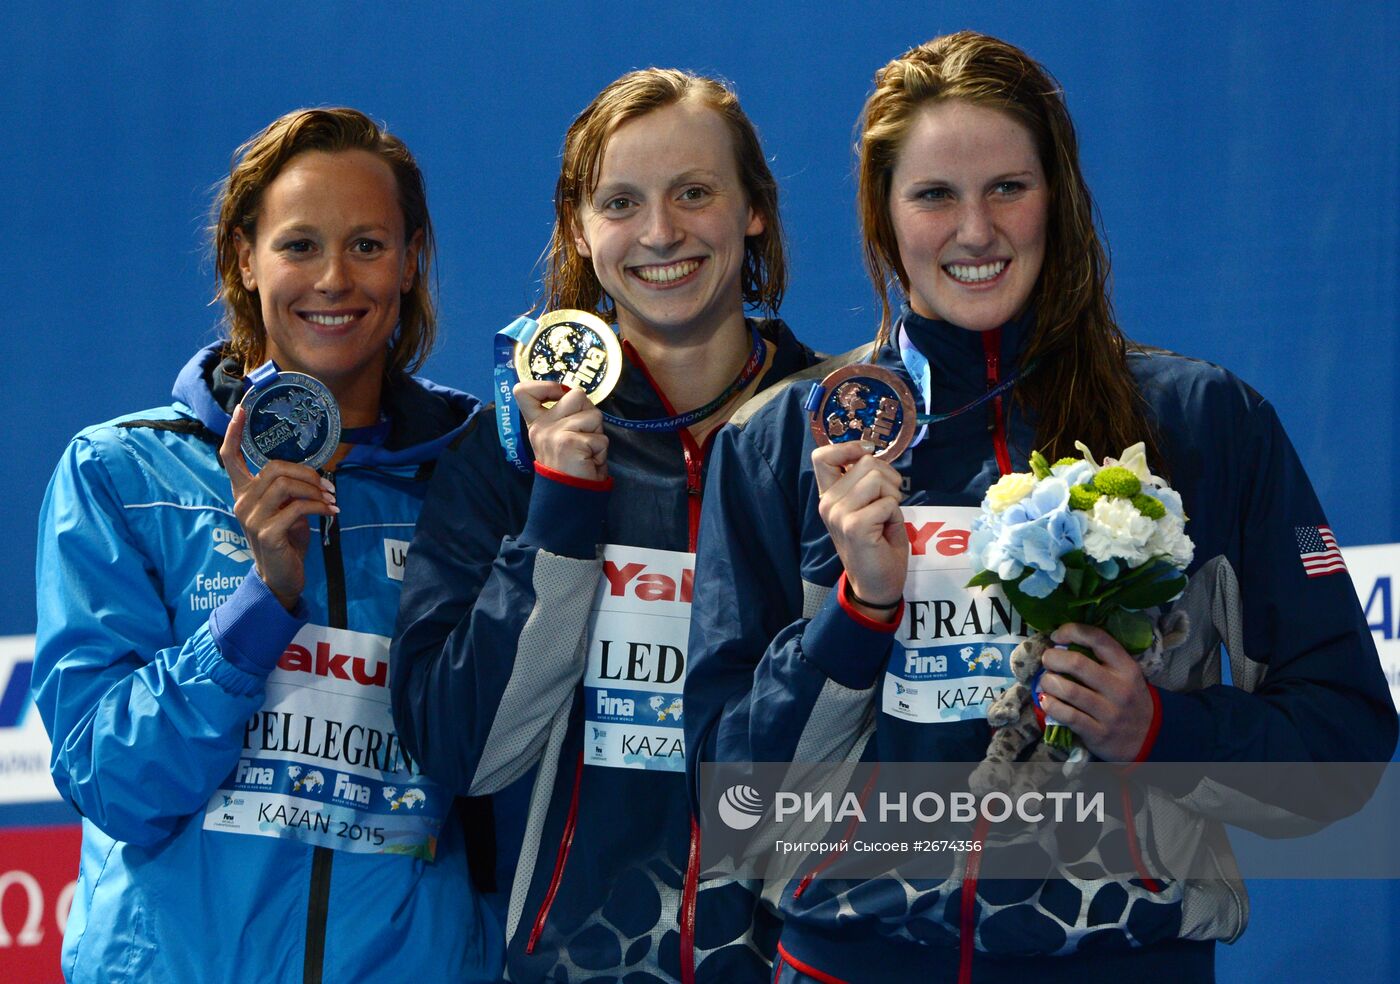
286	422
568	350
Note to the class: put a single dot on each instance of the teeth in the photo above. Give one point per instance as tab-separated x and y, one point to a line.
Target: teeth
665	274
968	274
329	320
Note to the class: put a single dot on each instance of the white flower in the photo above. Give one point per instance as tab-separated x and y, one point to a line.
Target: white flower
1117	530
1134	459
1009	490
1169	540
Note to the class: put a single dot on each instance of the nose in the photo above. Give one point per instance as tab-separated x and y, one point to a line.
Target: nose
661	232
335	274
975	230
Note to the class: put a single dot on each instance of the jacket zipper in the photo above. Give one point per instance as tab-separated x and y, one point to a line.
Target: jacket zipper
694	486
565	842
991	348
851	828
319	895
690	884
694	455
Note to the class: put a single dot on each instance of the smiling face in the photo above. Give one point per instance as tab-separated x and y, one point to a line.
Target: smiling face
329	267
969	206
665	226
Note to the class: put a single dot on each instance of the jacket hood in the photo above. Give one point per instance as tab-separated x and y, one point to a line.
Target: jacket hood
424	418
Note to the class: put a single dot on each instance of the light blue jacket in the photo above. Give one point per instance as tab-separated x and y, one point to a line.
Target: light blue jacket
154	646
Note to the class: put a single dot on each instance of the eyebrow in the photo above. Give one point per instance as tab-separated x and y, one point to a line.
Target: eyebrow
607	189
304	228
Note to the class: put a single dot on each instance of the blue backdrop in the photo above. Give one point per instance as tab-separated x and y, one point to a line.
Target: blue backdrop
1245	160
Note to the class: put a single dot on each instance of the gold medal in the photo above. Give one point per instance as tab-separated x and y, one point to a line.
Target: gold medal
574	348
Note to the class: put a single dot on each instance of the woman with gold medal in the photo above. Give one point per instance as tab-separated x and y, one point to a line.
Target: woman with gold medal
546	604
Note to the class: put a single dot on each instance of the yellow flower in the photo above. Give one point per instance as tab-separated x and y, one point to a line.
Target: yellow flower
1009	490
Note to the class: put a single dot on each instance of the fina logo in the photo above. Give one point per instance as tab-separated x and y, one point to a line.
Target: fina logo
741	807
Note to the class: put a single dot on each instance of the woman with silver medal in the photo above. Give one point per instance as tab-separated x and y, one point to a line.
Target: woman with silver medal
542	633
821	524
218	580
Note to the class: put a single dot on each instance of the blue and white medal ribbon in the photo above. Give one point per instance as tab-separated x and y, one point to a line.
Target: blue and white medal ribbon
506	341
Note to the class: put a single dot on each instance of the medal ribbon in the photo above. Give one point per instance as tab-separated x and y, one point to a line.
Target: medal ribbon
751	368
263	375
917	367
507	339
922	376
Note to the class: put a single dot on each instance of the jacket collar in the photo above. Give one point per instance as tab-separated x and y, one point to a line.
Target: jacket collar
424	417
957	357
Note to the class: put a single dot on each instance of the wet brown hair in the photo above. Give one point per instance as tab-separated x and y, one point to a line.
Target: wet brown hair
1081	388
257	163
569	280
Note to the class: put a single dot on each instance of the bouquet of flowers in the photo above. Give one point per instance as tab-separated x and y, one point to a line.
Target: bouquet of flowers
1079	541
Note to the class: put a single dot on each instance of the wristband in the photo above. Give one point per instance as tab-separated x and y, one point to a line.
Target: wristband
852	596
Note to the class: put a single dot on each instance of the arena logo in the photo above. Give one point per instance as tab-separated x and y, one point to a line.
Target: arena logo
232	545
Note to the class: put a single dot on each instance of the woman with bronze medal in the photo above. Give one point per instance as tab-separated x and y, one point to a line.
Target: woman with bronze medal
218	580
546	601
833	619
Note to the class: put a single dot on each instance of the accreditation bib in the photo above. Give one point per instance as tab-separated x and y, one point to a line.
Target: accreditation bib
952	653
632	705
321	760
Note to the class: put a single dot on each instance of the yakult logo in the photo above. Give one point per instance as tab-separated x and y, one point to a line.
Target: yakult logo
936	537
340	666
645	585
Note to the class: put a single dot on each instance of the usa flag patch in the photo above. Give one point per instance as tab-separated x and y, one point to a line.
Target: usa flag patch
1318	550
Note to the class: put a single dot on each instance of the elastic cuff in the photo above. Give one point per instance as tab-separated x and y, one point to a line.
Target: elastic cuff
252	629
1185	731
592	485
845	645
1152	730
843	598
567	514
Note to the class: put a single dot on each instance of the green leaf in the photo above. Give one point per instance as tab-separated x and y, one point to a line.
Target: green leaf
983	578
1091	580
1075	559
1132	629
1165	585
1039	466
1045	614
1074	577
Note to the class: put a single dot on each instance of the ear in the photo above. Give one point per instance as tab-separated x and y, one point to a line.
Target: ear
756	224
244	246
581	243
410	262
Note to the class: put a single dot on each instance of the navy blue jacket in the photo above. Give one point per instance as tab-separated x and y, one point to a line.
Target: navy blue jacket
781	670
489	662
